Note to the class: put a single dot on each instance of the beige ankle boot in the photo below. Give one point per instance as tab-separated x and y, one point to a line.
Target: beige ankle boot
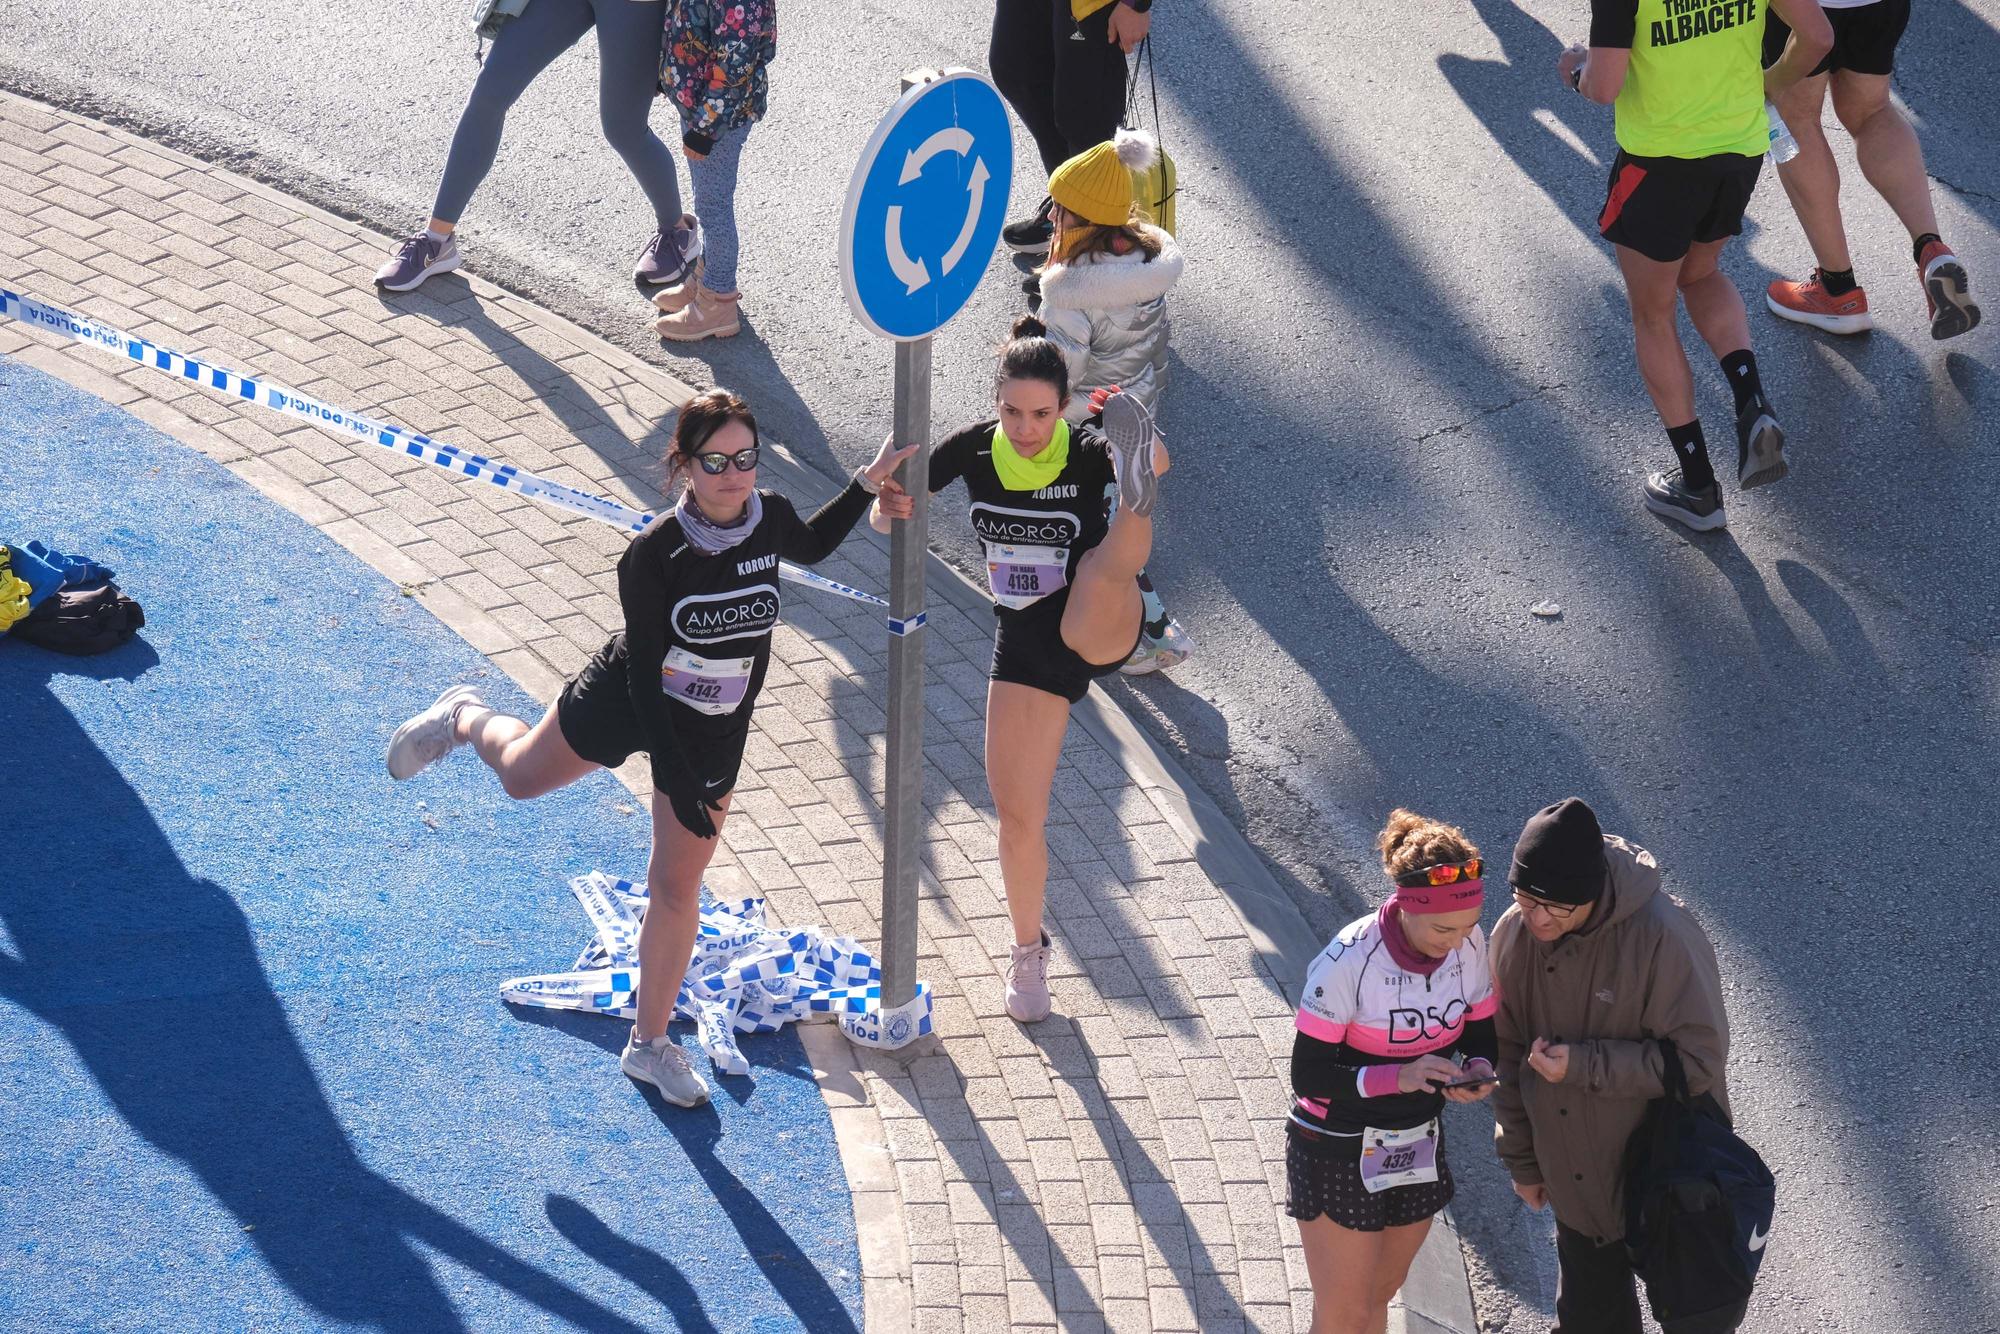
676	298
708	315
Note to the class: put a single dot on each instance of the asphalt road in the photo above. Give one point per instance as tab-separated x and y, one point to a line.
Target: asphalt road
1403	411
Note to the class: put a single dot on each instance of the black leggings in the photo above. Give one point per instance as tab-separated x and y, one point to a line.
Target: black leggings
1070	94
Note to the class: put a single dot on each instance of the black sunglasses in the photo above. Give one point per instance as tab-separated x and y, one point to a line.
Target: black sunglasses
714	464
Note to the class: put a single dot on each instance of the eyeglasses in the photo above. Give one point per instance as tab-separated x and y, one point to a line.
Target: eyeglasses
714	464
1448	874
1562	912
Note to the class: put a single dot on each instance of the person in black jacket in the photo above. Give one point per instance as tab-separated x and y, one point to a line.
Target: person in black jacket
1384	1006
699	589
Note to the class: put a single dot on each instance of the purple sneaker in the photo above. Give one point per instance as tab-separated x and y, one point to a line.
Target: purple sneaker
671	253
415	260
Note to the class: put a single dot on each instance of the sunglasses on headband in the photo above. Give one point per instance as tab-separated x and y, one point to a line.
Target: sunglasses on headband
1448	874
715	464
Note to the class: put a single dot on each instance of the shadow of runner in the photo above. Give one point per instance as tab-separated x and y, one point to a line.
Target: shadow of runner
643	1269
790	1272
158	988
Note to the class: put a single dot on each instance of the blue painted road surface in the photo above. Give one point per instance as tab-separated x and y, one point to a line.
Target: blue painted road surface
253	1068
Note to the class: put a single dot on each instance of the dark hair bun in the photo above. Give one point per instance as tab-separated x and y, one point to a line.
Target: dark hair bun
1029	355
1027	326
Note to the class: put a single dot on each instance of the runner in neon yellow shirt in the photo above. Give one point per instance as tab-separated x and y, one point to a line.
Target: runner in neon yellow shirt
1687	80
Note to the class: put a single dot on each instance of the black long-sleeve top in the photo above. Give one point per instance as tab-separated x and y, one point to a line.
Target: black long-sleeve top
717	607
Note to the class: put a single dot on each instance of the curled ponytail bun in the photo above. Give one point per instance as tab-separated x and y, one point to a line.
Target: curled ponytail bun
1029	355
1410	842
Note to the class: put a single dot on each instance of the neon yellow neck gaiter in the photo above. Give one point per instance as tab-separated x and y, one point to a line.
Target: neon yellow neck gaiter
1030	474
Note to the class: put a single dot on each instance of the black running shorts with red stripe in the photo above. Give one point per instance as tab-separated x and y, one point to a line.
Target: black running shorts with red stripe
1660	206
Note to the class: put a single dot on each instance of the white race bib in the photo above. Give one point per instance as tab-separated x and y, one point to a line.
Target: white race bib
1022	576
708	685
1391	1158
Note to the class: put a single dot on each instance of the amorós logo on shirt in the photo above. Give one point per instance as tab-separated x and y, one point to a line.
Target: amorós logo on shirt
709	618
997	523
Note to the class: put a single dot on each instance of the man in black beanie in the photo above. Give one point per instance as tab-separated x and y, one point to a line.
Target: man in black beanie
1593	962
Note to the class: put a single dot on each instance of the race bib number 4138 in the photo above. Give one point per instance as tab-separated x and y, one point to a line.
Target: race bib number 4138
1021	576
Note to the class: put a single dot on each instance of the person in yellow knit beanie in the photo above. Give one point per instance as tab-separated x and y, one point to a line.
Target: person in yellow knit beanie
1061	65
1104	301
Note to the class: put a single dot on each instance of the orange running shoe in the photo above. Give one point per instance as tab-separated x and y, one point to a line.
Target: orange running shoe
1810	303
1947	290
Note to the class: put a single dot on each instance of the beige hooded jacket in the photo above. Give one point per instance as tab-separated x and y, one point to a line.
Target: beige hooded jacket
1642	969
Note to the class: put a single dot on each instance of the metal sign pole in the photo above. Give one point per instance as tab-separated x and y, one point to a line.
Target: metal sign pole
908	543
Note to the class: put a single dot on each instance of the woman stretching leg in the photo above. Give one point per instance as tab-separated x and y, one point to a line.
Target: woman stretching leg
1065	587
700	598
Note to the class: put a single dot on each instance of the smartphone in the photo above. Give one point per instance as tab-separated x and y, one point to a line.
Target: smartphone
1477	1081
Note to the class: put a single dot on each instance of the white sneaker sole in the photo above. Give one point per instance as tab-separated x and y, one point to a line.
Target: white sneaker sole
1034	248
441	266
1129	428
1950	293
1833	324
1764	462
1687	518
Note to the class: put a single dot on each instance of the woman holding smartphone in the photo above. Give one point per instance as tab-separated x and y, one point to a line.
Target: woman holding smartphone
1384	1007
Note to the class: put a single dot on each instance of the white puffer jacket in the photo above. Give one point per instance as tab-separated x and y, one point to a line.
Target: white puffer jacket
1108	313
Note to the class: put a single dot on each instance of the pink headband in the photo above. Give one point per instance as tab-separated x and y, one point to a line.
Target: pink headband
1425	899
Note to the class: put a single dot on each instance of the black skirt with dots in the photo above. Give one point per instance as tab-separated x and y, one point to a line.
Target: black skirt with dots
1323	1176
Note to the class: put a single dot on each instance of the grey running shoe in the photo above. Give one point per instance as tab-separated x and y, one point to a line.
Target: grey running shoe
415	260
1129	428
666	258
1668	493
1158	653
664	1065
1028	998
431	735
1760	445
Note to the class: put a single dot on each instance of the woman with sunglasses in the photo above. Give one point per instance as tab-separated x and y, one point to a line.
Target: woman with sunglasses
1383	1008
699	589
1065	584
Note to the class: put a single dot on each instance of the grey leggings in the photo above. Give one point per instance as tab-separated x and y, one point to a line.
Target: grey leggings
629	33
714	180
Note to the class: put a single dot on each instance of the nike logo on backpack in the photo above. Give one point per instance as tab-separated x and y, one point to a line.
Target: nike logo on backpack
1757	1239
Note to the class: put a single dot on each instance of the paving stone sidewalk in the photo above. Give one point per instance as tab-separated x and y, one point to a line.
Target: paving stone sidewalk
1116	1167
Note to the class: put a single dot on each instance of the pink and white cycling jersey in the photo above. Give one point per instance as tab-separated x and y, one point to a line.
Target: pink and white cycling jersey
1358	995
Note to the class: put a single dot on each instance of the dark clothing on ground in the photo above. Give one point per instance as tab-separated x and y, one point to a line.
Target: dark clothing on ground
1064	78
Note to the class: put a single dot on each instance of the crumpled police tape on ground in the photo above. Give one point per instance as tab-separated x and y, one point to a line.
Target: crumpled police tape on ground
292	403
745	976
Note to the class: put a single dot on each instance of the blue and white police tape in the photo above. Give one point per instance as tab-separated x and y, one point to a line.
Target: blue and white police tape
743	976
278	398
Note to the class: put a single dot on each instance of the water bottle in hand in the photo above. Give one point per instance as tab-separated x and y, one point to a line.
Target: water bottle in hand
1783	147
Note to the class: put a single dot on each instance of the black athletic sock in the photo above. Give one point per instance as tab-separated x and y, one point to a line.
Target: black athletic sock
1692	451
1917	246
1741	370
1837	282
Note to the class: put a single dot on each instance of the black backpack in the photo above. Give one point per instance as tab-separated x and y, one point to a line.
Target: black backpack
81	621
1698	1207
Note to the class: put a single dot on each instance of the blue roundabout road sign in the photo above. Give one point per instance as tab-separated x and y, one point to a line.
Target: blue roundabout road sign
926	204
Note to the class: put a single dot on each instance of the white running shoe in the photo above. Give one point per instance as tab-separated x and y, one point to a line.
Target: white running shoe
665	1066
431	735
1028	998
1160	654
1129	428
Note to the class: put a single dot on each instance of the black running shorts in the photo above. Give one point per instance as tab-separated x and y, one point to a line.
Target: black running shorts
1028	650
597	719
1323	1176
1864	38
1660	206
